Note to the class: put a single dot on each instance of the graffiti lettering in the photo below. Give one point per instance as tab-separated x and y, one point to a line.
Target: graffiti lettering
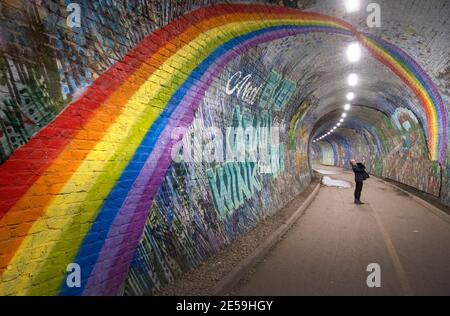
243	87
277	92
236	180
232	184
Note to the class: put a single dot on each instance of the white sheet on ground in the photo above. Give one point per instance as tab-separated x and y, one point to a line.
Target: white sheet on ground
335	183
323	171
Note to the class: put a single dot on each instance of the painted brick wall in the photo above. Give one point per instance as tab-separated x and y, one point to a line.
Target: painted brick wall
80	190
185	226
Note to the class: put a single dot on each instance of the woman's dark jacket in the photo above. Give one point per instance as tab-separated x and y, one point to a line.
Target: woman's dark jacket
360	172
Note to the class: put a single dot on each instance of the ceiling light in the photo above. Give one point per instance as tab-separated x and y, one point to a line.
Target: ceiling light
338	124
352	79
341	120
353	52
350	96
346	107
344	114
351	5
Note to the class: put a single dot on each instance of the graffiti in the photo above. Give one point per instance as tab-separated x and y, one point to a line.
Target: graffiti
327	154
25	109
406	122
277	92
250	138
294	125
398	151
301	160
257	149
239	184
243	87
304	4
238	192
64	47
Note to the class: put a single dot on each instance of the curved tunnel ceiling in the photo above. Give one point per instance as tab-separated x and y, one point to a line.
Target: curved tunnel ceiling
379	86
398	82
361	124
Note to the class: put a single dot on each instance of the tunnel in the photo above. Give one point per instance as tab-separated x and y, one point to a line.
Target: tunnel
139	140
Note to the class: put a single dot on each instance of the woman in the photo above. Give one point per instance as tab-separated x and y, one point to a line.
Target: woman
360	175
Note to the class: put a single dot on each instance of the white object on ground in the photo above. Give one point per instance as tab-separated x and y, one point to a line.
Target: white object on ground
322	171
335	183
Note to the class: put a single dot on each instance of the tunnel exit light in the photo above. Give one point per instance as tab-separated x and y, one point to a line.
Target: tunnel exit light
351	5
352	79
353	52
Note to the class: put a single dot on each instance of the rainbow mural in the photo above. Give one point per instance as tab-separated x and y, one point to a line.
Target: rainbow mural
98	165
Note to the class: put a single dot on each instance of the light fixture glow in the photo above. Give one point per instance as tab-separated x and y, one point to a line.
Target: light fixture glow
346	107
341	120
338	124
352	79
351	5
344	114
350	96
353	52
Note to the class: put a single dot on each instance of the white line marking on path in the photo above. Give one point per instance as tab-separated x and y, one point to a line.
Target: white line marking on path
404	282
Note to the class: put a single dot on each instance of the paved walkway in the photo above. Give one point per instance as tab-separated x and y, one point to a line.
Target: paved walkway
328	250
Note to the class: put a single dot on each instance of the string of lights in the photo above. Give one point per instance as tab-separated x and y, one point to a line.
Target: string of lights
353	53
